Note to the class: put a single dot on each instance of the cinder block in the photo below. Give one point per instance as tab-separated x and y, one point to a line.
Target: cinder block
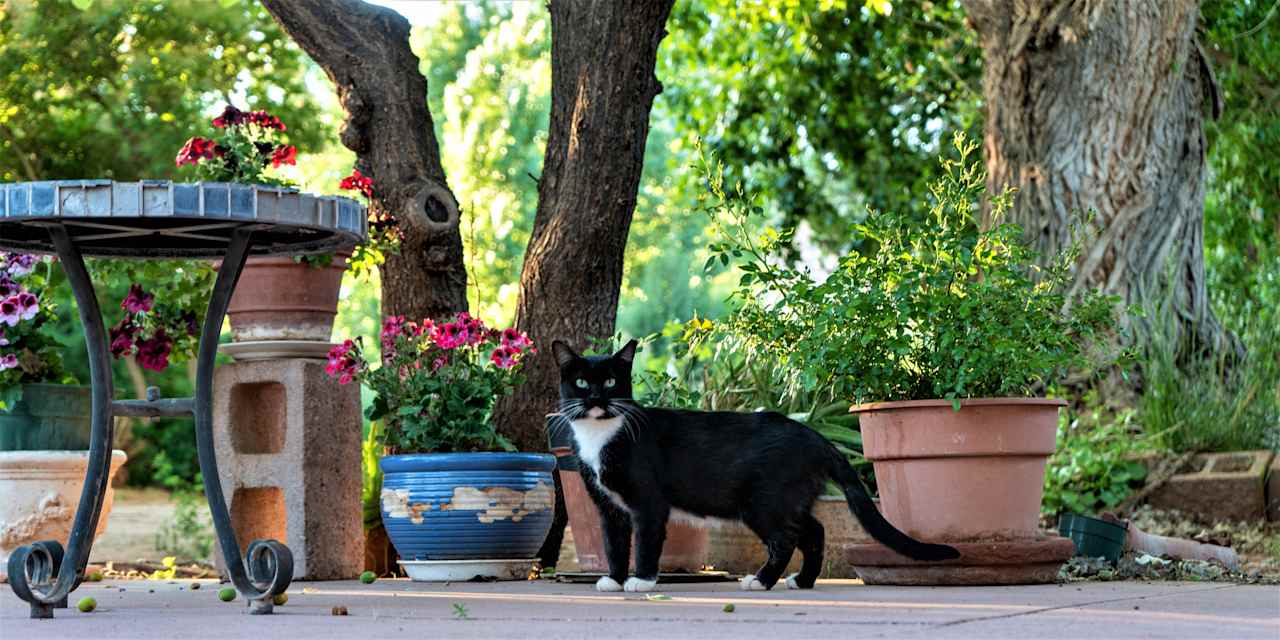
288	443
1219	486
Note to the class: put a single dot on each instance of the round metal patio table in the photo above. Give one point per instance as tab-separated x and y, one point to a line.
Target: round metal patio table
151	220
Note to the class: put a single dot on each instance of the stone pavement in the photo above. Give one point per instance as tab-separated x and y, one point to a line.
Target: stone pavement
545	609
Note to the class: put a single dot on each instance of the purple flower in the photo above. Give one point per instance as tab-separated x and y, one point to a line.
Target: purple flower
8	361
138	301
18	264
7	286
122	337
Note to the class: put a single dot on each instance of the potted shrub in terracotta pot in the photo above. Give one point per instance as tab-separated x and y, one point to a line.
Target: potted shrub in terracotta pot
44	417
456	500
947	335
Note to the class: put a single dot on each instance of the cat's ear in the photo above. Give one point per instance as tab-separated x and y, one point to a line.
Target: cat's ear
627	353
563	352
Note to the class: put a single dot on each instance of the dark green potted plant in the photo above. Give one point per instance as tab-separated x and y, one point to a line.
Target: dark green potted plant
941	323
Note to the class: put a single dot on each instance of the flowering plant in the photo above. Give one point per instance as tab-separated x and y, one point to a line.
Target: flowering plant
247	144
437	383
27	354
384	229
150	331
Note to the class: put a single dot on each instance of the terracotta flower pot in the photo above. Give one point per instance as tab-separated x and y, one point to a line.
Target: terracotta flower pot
279	298
972	478
969	475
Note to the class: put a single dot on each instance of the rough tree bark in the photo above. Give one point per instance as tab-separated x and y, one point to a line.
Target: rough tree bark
603	54
1099	106
365	51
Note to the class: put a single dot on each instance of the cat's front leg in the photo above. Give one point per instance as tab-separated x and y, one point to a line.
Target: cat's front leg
616	526
651	532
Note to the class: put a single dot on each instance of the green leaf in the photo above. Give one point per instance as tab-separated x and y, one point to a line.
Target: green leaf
83	5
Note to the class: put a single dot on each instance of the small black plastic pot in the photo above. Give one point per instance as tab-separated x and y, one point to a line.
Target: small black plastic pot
1094	538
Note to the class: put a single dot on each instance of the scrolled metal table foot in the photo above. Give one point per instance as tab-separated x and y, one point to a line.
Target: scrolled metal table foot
269	563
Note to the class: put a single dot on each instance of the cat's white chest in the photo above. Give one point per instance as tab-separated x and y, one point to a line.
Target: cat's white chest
592	436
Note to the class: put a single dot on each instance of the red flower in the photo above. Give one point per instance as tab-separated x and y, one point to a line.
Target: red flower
230	117
284	155
515	339
265	120
195	150
122	337
138	301
358	182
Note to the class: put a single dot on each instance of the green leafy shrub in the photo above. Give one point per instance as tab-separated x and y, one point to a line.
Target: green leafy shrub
1095	465
1214	401
189	535
932	306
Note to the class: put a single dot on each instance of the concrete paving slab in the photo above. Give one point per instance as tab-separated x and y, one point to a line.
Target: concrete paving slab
397	608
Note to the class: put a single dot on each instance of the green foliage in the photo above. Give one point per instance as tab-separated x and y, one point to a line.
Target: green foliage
1211	401
371	488
189	535
121	101
936	306
822	107
1095	465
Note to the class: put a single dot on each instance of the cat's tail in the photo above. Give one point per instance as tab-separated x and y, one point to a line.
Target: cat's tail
864	508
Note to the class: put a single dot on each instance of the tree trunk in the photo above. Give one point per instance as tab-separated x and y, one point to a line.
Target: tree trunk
365	51
1098	106
603	54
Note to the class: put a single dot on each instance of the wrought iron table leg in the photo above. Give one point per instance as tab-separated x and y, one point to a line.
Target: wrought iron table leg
40	573
269	563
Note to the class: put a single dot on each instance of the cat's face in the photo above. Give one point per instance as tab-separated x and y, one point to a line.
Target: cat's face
591	386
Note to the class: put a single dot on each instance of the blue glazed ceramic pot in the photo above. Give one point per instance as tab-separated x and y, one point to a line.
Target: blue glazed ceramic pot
468	506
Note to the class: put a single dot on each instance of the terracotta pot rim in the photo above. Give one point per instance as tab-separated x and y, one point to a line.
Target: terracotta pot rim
47	459
895	405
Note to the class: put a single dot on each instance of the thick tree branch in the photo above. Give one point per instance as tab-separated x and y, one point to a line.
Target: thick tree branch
365	51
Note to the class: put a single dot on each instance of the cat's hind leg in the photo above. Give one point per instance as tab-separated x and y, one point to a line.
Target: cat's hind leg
812	539
780	542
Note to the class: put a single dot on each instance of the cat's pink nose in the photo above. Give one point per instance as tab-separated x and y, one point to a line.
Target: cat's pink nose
595	412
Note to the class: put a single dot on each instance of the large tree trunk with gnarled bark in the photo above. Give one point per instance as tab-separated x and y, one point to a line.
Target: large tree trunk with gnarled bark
365	51
1098	106
603	54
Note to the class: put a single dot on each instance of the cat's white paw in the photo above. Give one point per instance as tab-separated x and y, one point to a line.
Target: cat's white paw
639	585
608	584
752	583
791	581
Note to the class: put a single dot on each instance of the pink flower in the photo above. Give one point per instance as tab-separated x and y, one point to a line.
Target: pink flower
515	339
10	312
450	336
343	362
504	357
8	361
153	353
28	305
7	286
439	362
138	301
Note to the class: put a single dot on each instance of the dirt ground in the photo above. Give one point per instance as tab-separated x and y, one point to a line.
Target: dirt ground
136	517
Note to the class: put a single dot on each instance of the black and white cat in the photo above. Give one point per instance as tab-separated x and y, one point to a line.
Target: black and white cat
642	465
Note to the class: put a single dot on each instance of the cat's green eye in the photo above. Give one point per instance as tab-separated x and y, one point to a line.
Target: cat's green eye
582	384
608	384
